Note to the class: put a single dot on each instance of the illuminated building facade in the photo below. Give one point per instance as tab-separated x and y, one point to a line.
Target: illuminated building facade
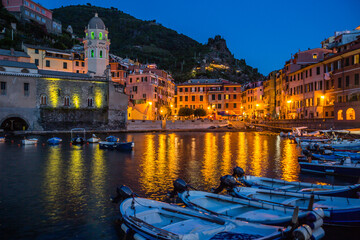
149	89
252	100
216	96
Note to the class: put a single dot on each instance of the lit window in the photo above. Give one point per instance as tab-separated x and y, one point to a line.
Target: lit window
3	88
350	114
340	115
356	59
92	53
92	35
100	35
90	102
315	56
101	54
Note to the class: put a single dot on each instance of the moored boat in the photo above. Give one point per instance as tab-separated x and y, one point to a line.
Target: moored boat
125	146
112	139
94	139
78	139
30	141
339	211
2	139
150	219
346	168
54	141
107	145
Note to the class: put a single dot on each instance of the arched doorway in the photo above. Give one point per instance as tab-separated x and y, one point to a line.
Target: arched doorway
14	124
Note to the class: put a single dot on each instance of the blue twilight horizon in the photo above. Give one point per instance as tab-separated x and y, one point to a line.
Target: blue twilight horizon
264	33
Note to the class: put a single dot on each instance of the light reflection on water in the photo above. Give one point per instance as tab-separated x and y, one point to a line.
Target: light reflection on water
62	191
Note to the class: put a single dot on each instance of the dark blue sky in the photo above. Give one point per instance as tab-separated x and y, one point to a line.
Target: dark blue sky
264	33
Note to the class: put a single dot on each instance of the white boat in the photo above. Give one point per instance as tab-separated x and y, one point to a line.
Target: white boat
30	141
150	219
338	211
76	138
243	209
301	187
94	139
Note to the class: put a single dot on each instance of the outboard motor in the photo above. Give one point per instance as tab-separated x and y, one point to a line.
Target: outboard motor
180	186
123	192
238	172
306	153
226	182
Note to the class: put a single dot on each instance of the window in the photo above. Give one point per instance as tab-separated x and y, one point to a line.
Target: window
219	96
318	71
38	18
144	95
42	11
347	81
201	98
43	100
234	96
31	5
37	51
100	35
77	63
92	53
32	15
101	55
65	65
67	101
356	79
350	114
36	62
90	102
219	106
181	98
226	105
213	97
227	96
310	72
83	64
227	89
43	20
180	89
234	105
37	9
186	98
27	12
234	88
339	82
26	3
47	63
92	35
3	88
186	89
193	98
340	115
26	89
356	59
315	56
130	80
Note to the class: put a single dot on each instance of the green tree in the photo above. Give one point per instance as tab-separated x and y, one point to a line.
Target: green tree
199	112
185	112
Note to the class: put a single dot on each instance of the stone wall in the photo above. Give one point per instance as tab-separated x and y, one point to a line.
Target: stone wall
148	125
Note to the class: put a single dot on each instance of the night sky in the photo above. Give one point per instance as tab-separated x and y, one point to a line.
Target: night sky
264	33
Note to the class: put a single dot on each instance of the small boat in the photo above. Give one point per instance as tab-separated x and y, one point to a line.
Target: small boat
112	139
240	209
2	139
78	139
94	139
338	211
107	145
30	141
151	219
54	141
301	187
125	146
344	168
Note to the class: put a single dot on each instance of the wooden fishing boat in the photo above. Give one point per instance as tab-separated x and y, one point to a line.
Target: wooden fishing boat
150	219
301	187
338	211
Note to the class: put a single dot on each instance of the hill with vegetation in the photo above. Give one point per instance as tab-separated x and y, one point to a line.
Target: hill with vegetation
145	41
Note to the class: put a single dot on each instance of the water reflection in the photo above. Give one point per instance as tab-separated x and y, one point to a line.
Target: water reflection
75	179
289	162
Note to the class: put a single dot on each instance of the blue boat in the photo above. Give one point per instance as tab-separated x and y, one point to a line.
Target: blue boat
125	146
112	139
336	156
54	141
346	168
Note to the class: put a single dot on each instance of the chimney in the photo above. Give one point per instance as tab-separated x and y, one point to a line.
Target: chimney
12	51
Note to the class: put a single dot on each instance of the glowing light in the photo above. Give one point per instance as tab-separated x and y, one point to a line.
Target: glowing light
76	100
98	98
53	89
208	107
257	105
150	103
171	106
213	106
289	101
322	97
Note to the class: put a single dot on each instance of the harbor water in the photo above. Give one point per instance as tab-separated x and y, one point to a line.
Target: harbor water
63	192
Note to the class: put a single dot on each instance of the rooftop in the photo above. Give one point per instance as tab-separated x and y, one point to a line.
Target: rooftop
47	48
5	52
207	81
96	23
63	74
5	63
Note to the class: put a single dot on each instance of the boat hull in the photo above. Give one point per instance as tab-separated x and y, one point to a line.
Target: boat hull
342	170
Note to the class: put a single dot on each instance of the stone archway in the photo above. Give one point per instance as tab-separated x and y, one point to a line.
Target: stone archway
14	123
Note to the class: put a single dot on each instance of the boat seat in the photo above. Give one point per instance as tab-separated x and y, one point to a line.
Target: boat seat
189	226
286	187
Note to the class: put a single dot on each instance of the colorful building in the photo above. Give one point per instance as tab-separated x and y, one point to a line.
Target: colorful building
27	9
216	96
252	100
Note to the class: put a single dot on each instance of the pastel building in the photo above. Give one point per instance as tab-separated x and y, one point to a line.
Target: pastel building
216	96
27	9
252	100
12	55
149	89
